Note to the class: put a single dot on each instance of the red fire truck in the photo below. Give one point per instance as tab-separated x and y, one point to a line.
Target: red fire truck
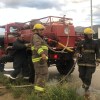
59	29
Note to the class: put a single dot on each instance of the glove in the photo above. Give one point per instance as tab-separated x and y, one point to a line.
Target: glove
76	55
9	47
28	44
43	56
97	63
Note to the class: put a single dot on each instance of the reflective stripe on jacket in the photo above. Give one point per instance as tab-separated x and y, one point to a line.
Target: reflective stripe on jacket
40	50
38	59
89	65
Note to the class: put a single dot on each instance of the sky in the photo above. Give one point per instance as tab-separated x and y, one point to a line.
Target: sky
25	10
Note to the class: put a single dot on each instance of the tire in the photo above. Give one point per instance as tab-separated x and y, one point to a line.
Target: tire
64	67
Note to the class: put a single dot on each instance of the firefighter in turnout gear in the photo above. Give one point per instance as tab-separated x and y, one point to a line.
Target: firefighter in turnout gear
39	58
20	62
88	55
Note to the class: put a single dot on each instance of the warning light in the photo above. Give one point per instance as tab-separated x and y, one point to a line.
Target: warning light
55	56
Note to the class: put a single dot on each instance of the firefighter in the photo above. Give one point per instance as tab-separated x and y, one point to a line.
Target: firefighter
39	58
88	53
20	63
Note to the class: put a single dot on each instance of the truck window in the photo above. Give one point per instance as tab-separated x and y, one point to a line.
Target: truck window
13	29
2	31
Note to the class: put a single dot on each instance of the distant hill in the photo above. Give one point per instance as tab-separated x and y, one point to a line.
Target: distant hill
80	29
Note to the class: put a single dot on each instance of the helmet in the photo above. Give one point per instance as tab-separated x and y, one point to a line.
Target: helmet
38	26
88	31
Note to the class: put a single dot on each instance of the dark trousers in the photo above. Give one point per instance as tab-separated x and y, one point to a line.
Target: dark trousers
3	60
85	74
32	71
20	66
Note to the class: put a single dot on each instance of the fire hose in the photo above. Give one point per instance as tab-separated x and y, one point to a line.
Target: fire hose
59	82
67	39
60	44
64	78
68	49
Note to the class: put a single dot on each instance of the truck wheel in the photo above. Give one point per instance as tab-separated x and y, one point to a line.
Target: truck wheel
64	67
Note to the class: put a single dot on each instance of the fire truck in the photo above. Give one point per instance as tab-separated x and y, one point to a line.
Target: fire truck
61	32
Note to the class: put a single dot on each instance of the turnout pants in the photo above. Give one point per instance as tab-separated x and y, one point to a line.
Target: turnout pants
85	74
41	75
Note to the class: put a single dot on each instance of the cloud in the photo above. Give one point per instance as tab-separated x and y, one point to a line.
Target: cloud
39	4
78	10
78	1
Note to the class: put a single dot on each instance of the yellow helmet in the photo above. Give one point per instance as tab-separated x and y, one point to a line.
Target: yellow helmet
38	26
88	31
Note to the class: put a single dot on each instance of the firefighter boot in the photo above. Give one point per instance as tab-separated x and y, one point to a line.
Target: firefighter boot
87	95
87	92
86	87
39	94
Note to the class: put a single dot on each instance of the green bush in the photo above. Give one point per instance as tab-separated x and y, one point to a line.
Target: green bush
57	93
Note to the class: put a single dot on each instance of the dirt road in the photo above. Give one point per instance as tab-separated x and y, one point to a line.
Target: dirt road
95	86
54	74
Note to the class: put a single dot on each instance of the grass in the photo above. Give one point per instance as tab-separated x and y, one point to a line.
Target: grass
17	92
3	80
9	85
59	92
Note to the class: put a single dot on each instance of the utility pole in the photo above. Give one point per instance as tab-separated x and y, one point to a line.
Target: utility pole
91	13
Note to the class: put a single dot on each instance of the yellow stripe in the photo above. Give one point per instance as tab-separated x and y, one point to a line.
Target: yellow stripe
37	59
32	48
38	88
40	50
45	47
